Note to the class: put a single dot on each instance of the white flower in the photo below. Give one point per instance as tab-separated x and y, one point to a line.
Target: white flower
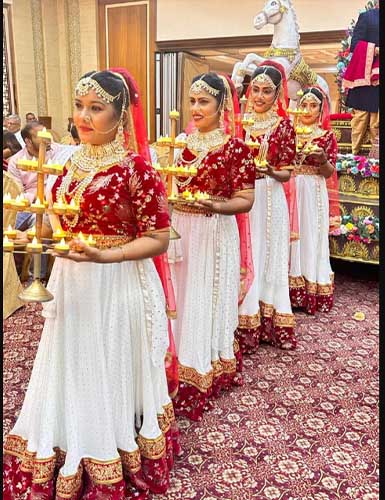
288	466
342	458
271	492
343	229
232	476
267	430
330	483
195	459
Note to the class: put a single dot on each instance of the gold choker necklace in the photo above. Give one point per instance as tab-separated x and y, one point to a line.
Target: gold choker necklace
90	156
263	121
201	143
90	159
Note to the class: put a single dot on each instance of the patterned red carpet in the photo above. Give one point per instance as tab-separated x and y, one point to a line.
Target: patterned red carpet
303	427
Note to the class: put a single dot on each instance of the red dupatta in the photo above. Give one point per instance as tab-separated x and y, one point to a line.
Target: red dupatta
136	139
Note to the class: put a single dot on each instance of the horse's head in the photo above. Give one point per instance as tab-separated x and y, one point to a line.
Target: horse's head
271	13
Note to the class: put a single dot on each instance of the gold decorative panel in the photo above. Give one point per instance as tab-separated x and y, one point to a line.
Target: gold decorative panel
362	211
39	57
346	184
369	187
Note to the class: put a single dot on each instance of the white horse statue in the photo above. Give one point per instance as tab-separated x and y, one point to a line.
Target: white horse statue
284	49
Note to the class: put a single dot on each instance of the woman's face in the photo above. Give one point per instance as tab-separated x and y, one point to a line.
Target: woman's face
262	97
313	107
204	111
93	117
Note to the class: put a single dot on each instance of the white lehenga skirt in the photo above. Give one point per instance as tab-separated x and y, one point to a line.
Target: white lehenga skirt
311	276
205	267
98	383
266	314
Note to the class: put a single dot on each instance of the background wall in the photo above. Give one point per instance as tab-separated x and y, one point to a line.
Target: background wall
54	42
185	19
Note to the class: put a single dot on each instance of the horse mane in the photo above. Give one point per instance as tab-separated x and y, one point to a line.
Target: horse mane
290	6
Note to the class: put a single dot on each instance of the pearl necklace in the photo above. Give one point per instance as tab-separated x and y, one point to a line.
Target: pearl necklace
90	159
201	143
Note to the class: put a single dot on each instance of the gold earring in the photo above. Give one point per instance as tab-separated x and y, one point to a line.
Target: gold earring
120	134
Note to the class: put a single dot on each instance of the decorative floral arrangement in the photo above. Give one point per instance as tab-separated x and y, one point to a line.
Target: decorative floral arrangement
344	55
358	165
361	229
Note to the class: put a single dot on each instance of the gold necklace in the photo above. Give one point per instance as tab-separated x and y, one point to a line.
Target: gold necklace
263	121
91	156
201	143
91	159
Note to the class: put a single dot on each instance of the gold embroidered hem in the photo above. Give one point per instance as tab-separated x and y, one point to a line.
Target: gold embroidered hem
252	321
152	448
282	320
131	461
296	282
200	381
217	368
236	346
104	472
311	287
67	486
203	382
229	365
100	471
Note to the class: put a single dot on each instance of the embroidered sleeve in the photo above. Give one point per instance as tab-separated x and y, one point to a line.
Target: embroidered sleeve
285	144
331	148
147	196
242	167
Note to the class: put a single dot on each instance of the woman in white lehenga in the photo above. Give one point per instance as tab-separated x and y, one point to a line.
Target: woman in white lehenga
265	314
206	260
97	420
311	276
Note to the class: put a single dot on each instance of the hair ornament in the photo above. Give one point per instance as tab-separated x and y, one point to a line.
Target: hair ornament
310	96
264	78
199	85
87	83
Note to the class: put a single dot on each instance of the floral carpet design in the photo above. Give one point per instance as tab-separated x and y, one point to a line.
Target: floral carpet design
304	426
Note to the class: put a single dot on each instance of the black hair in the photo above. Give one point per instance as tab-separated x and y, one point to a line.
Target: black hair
113	84
214	81
27	129
30	113
270	71
10	141
314	91
74	132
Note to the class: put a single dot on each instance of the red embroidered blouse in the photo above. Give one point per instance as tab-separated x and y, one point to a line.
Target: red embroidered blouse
282	149
328	143
223	172
127	199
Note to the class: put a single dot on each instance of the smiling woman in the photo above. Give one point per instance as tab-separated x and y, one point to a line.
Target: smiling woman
212	246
